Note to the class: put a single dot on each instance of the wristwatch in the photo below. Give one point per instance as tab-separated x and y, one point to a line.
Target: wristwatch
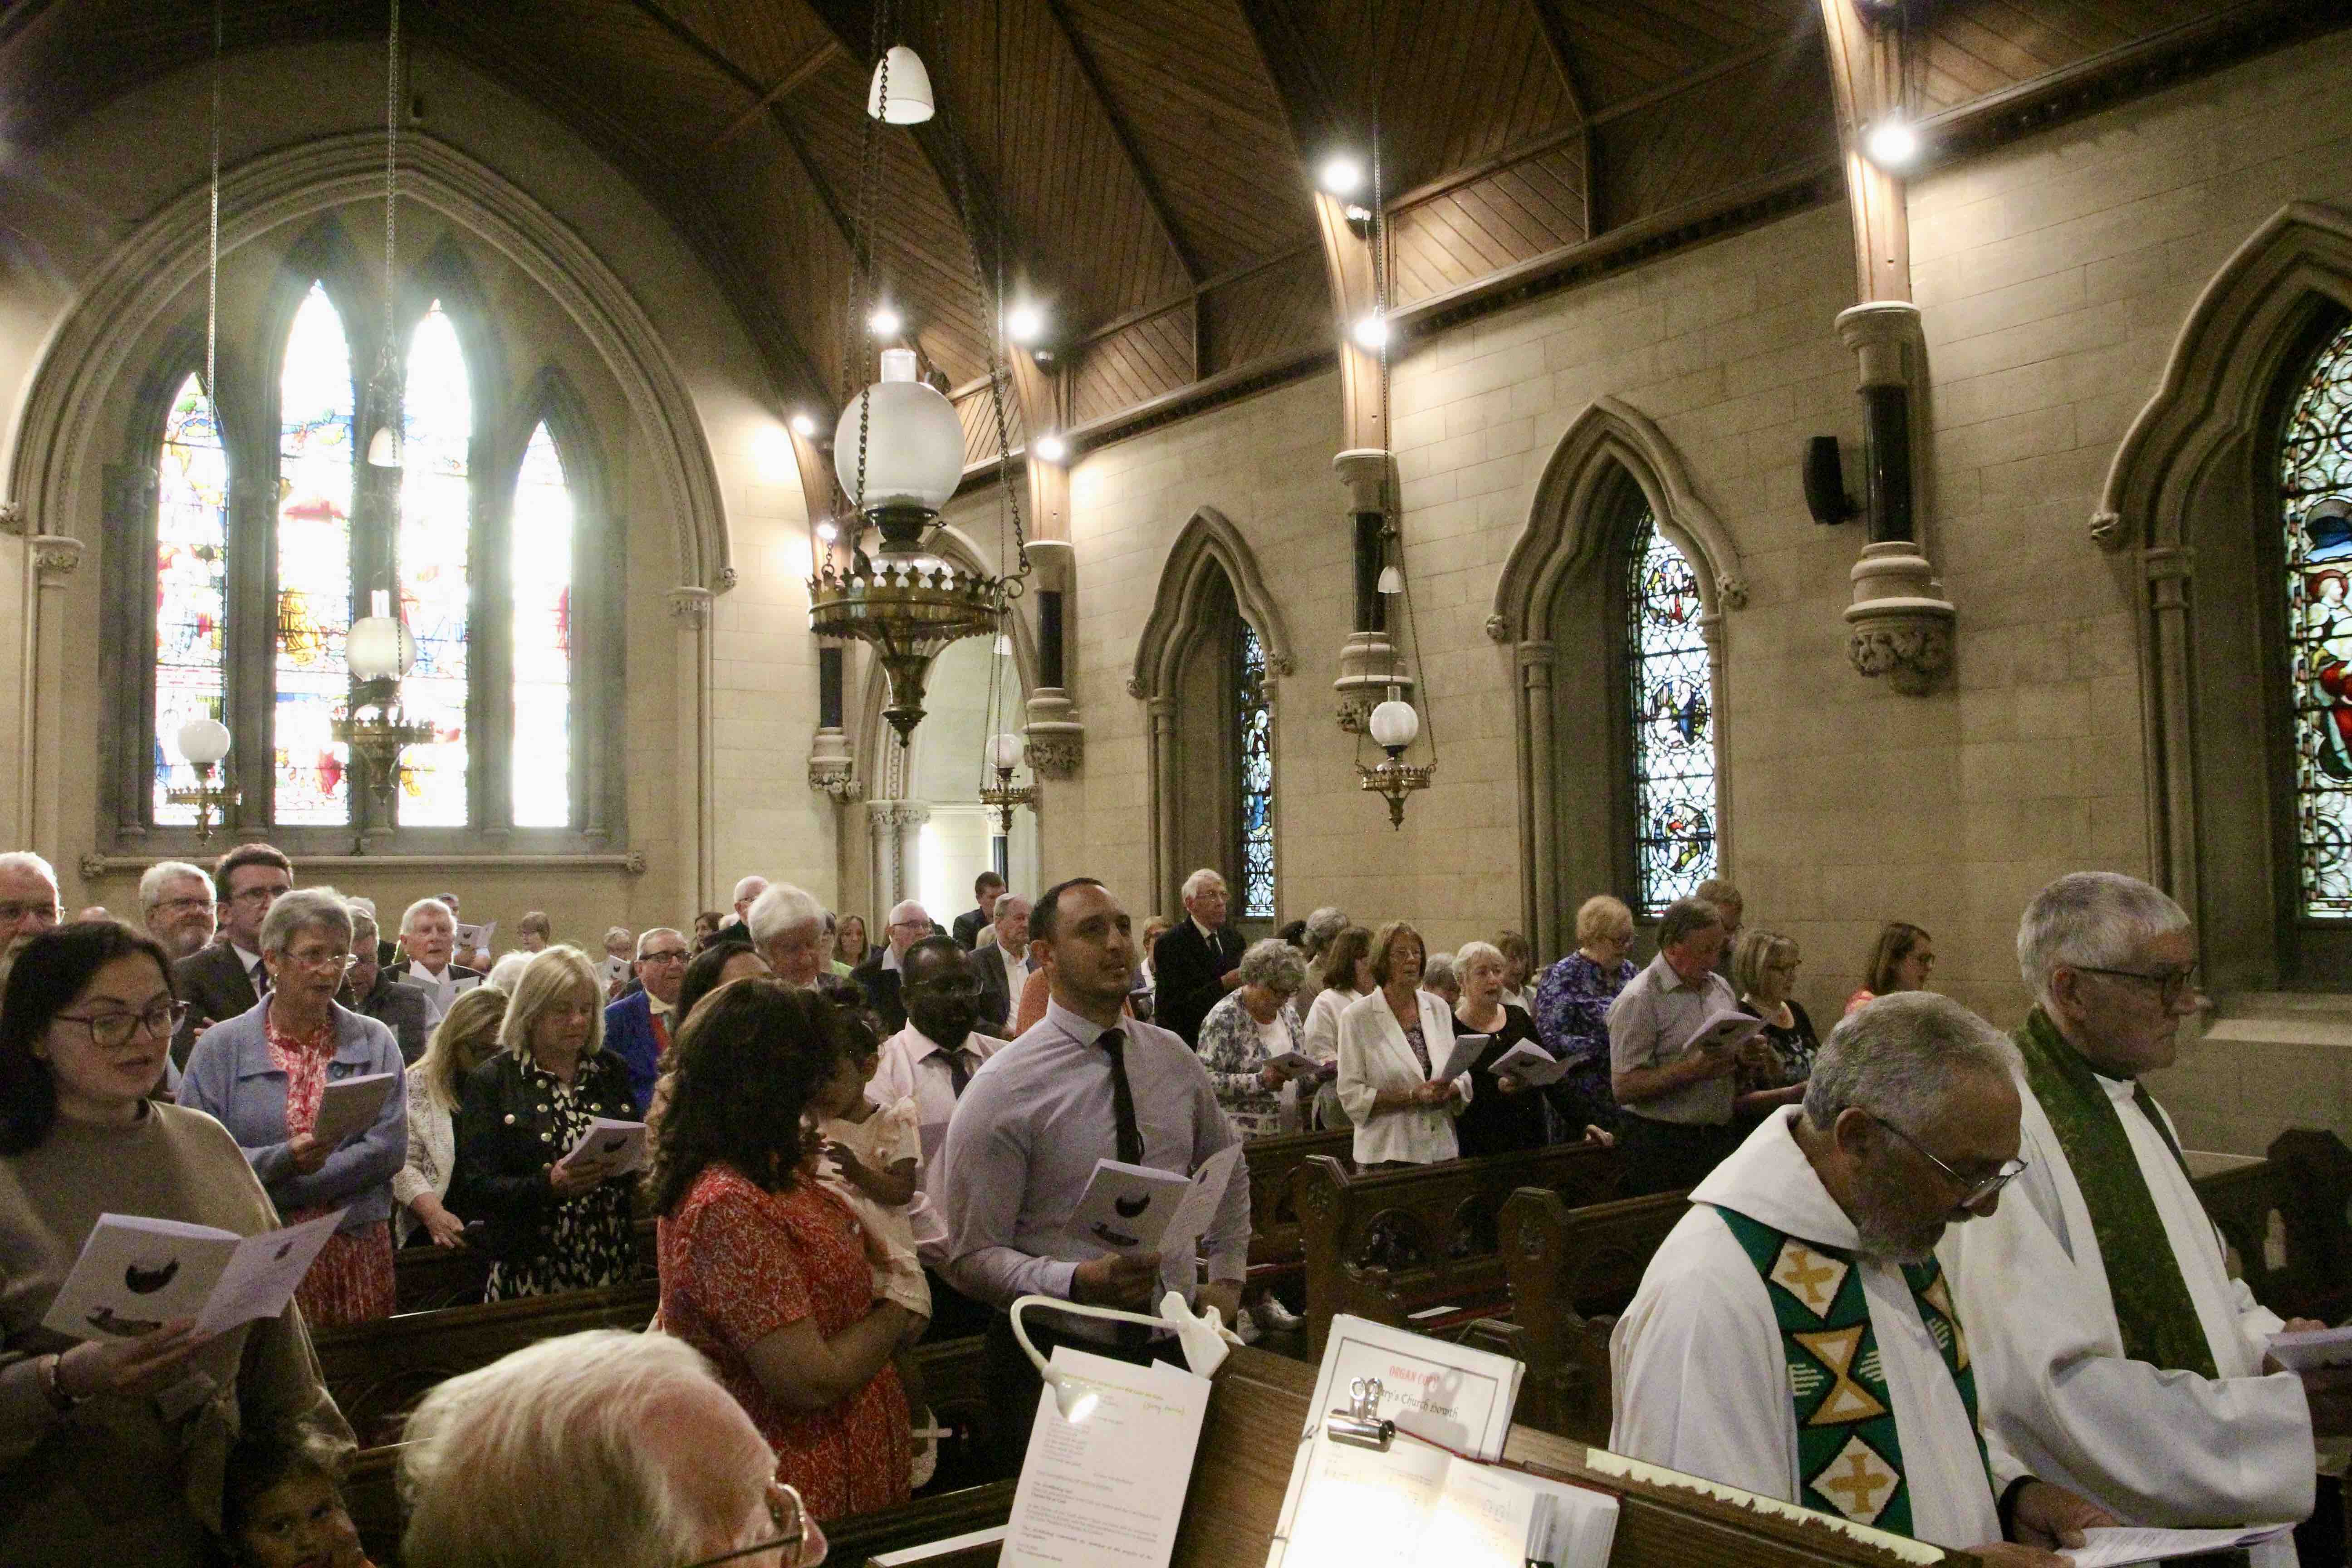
46	1371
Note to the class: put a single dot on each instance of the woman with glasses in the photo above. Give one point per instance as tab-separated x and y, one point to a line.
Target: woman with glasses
1764	971
110	1450
554	1225
264	1074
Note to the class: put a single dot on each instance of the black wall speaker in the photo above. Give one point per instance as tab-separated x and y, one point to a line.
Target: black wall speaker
1825	494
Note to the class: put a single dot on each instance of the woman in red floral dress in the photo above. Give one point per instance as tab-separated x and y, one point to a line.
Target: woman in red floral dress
762	1269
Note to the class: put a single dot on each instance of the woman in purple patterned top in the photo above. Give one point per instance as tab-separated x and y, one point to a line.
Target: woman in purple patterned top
1572	1016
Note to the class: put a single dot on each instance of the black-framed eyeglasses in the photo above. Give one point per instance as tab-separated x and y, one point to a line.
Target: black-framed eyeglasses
2170	985
1974	1190
793	1528
114	1030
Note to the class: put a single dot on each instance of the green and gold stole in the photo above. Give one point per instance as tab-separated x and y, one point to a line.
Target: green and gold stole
2153	1309
1849	1455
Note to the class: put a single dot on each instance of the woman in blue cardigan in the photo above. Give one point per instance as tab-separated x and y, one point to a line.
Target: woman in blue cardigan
262	1074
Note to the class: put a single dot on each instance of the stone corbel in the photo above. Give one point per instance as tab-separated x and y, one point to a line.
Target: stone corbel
55	558
691	608
1369	664
831	768
11	517
1056	737
1900	625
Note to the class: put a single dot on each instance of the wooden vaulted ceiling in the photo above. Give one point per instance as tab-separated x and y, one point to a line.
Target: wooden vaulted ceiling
1142	168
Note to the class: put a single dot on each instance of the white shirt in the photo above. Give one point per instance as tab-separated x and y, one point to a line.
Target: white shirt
914	1067
1700	1377
2155	1446
440	991
254	969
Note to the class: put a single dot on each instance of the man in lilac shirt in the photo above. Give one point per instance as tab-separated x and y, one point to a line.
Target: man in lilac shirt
1035	1118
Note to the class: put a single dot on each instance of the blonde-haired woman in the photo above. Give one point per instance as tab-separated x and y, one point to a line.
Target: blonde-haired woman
551	1229
1774	1072
467	1036
1392	1043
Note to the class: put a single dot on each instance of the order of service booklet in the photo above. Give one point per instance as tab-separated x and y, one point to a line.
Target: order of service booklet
1136	1209
136	1274
347	1106
621	1144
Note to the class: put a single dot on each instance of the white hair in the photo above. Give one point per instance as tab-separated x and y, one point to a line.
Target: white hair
360	901
553	976
424	907
906	909
1200	879
298	910
150	883
750	886
1438	969
652	931
782	908
1470	952
362	916
27	861
1324	926
1275	964
1900	1059
506	973
2090	920
580	1419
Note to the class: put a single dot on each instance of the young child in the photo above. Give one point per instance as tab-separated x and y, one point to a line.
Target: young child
280	1507
870	1155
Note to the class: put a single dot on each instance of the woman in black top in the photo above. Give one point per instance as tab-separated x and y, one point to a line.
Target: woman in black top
1504	1113
549	1229
1775	1067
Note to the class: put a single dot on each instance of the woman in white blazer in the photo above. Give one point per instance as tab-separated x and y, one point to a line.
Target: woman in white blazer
1392	1044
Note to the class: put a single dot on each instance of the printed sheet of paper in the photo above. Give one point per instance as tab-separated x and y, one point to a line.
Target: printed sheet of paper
1464	1052
347	1106
2114	1548
1723	1032
136	1274
620	1145
1531	1064
1199	1209
476	938
260	1278
2315	1347
1108	1491
1127	1208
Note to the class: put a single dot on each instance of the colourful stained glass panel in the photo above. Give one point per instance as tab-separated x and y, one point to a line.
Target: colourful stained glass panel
1671	696
314	563
1256	752
2315	490
541	570
436	561
191	585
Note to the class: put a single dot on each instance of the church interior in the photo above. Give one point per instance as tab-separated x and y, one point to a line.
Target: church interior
1442	459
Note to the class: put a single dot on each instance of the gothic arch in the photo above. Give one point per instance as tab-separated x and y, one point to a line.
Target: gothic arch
2187	494
1610	457
1209	555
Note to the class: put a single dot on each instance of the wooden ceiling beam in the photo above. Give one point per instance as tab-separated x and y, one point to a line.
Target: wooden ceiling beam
1154	198
823	54
1580	102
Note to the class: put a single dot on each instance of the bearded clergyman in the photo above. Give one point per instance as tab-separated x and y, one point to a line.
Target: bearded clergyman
1794	1337
2116	1352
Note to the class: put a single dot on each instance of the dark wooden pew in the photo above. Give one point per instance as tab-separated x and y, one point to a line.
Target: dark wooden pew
1389	1245
1571	1271
427	1278
2284	1221
1277	1254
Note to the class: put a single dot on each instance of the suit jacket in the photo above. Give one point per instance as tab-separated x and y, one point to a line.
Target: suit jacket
505	1146
216	987
629	1034
996	996
968	927
398	1007
881	988
1188	970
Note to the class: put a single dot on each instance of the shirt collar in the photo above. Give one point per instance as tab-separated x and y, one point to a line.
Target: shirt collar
1206	934
932	1047
1079	1028
1670	981
1769	1179
658	1005
246	959
891	959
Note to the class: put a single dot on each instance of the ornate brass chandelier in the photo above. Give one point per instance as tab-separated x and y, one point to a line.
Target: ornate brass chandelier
204	742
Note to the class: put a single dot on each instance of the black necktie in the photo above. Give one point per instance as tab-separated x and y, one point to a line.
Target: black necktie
1122	1098
958	1074
260	980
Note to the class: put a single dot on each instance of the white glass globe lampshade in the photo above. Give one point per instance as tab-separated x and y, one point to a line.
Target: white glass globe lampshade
379	647
910	89
1395	725
1004	752
913	450
203	742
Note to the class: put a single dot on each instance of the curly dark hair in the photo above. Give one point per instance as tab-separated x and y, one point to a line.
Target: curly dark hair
750	1063
51	970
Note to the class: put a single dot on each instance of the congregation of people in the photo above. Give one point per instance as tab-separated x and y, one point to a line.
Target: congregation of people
1978	1262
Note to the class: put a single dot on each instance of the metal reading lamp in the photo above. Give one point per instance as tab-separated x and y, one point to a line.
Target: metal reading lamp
1202	1335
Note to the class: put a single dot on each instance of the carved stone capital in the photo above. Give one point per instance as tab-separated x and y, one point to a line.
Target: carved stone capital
884	817
2108	530
1369	667
1364	470
1883	334
1900	624
11	517
831	768
1056	740
1499	627
691	608
55	557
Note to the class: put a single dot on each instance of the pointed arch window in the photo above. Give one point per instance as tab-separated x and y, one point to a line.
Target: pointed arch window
1669	688
540	574
315	486
191	585
2315	490
1253	756
435	552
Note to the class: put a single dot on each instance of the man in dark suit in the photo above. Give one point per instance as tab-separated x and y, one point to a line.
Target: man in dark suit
369	992
639	1027
227	978
987	888
878	976
1002	963
428	935
1194	966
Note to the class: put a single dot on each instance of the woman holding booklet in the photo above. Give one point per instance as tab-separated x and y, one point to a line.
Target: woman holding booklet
111	1449
1247	1033
558	1213
314	1094
1392	1046
1505	1112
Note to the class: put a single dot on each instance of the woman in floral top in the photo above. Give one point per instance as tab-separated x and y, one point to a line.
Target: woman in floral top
1572	1016
1245	1031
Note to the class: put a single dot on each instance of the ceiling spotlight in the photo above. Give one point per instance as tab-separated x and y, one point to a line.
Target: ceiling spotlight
1371	332
885	321
1053	448
803	425
1024	324
1341	176
1893	143
1357	213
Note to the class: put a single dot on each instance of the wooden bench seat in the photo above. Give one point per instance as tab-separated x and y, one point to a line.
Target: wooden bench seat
2284	1219
427	1278
1387	1245
1277	1254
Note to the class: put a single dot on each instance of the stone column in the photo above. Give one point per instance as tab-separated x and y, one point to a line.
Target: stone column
1368	665
1539	821
2168	570
54	559
831	768
697	813
1056	736
1900	623
895	827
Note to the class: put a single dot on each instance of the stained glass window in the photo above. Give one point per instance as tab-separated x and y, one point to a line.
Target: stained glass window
2315	488
1674	731
314	563
435	555
1256	753
191	585
540	571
